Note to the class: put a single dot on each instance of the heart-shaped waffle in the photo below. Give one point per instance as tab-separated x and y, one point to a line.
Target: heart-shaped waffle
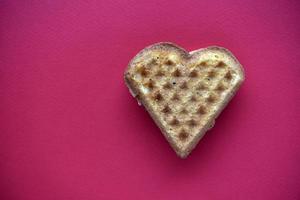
183	92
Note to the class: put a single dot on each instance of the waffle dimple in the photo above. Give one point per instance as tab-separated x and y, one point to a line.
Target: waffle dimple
183	92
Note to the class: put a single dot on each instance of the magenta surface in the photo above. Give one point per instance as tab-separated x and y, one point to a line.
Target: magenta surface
69	128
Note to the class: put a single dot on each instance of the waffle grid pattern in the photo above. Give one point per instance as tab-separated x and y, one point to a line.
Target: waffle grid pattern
184	95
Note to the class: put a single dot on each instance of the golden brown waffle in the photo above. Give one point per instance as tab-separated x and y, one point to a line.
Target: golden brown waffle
183	92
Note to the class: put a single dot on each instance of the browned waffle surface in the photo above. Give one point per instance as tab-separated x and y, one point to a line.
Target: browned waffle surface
183	92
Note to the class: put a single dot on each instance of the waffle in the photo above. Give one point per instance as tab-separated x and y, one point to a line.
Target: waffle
183	92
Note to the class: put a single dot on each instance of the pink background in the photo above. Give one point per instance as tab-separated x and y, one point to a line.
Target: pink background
69	128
